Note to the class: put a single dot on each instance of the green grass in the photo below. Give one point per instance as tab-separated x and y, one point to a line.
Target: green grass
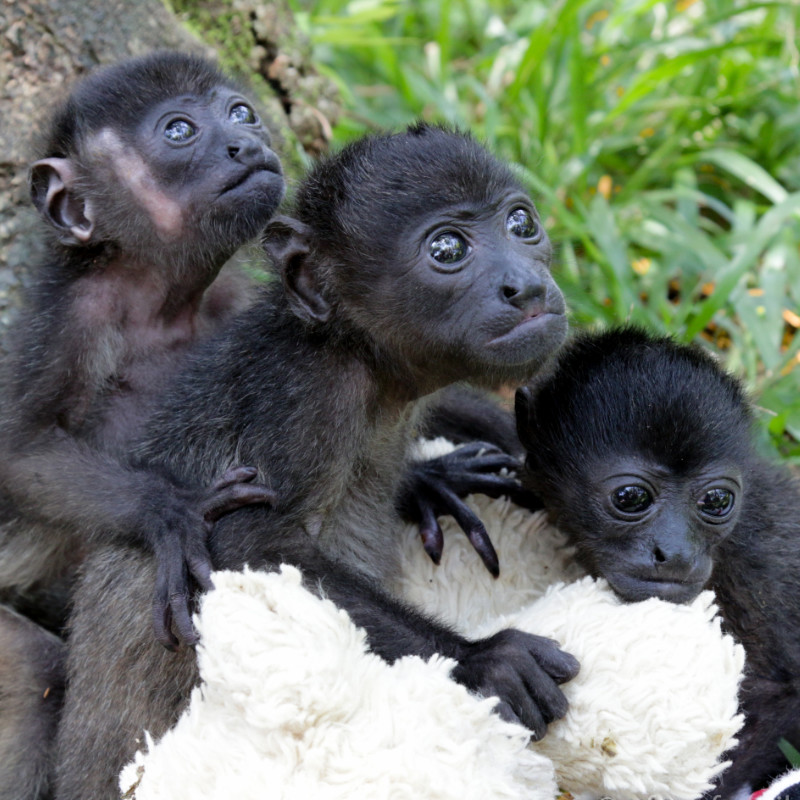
792	755
660	140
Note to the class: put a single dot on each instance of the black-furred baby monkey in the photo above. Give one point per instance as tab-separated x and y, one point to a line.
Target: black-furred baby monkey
415	261
153	173
642	451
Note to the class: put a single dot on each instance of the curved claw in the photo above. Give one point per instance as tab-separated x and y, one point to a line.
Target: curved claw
476	449
162	624
181	618
234	475
469	522
200	569
482	544
233	496
178	565
431	533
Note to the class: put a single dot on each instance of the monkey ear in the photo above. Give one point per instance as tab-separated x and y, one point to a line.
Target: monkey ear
523	411
287	242
52	182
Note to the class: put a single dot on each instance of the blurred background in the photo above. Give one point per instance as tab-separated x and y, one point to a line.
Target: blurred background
660	139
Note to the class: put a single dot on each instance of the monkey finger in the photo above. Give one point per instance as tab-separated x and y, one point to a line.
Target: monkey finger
468	521
162	624
475	449
236	496
235	475
200	568
504	711
526	710
501	486
482	544
431	533
492	462
481	483
548	698
558	664
182	618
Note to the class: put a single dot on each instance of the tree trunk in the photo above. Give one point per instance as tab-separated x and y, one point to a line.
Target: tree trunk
46	44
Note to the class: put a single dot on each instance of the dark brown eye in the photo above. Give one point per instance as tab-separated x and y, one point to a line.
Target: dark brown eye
520	223
448	248
716	502
631	499
242	115
180	130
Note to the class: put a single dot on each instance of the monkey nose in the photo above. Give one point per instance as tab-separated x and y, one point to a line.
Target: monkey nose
523	291
250	152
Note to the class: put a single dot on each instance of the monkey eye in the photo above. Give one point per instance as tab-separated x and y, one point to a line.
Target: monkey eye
716	502
180	130
521	223
631	499
242	114
448	248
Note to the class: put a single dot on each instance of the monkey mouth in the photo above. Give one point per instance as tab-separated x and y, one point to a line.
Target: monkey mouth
240	180
633	589
534	322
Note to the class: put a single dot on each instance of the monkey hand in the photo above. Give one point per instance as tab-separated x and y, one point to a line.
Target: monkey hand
181	549
437	486
523	671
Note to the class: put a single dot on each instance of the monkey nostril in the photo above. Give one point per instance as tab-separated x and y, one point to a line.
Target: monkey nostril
525	295
659	555
233	151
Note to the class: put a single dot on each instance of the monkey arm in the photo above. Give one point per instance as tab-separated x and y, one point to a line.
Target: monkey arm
436	486
92	495
521	669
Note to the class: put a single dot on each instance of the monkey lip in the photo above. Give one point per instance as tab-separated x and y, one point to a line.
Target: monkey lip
245	177
532	322
633	589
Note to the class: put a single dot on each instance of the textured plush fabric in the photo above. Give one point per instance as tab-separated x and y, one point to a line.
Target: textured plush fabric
294	706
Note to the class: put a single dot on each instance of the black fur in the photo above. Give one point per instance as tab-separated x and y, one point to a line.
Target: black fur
666	416
136	241
321	385
119	97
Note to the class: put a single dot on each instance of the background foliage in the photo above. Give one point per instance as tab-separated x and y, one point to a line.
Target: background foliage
660	139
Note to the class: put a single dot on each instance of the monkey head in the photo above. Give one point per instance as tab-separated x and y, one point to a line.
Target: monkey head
161	154
427	247
638	448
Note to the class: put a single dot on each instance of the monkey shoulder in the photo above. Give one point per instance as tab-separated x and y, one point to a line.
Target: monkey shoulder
280	418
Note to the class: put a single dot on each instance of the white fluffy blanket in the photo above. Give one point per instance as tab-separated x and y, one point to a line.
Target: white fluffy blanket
293	705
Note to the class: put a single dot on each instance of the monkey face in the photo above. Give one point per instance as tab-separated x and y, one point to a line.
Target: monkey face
427	247
639	448
468	287
649	531
492	268
197	171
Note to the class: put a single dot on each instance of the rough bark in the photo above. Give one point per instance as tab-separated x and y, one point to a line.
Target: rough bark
46	44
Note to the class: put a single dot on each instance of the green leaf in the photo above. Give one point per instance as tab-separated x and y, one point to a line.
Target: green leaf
747	171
